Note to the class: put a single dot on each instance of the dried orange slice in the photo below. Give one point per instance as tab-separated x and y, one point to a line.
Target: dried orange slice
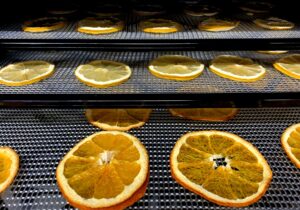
176	67
221	167
103	73
9	166
201	10
237	68
25	73
118	119
289	65
215	25
272	52
206	114
274	23
107	170
100	25
290	141
160	26
44	24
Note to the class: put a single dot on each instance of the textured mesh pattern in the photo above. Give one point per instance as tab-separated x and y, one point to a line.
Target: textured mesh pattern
246	30
43	136
63	81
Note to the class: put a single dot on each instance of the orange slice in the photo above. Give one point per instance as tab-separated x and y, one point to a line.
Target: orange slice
215	25
290	141
176	67
118	119
107	170
103	73
9	166
206	114
160	26
44	24
100	25
274	23
289	65
237	68
221	167
25	73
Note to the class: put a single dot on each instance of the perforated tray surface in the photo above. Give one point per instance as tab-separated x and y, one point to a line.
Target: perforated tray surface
43	136
63	81
246	30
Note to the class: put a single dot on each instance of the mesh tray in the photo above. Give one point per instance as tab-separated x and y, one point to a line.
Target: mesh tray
246	30
63	81
43	136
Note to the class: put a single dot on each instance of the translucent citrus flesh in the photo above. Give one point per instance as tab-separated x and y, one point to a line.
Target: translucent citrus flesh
122	118
100	25
289	65
294	142
5	165
212	24
25	72
175	67
103	72
103	166
221	165
210	114
237	68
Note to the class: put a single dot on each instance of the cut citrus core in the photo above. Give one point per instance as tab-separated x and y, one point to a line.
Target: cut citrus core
9	166
103	73
221	167
118	119
215	25
25	73
207	114
289	65
176	67
108	169
160	26
237	68
44	24
290	141
100	25
274	23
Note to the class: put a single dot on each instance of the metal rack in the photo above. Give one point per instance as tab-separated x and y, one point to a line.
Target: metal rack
43	136
144	89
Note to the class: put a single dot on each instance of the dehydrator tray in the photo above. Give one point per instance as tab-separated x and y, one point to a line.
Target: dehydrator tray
11	32
208	87
43	136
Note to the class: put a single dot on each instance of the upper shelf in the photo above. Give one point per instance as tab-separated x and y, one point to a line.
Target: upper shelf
247	36
144	89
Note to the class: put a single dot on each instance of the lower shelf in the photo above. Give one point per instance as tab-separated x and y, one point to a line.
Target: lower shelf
43	136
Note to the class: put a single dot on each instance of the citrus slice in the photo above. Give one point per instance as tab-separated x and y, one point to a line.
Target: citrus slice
207	114
103	73
289	65
9	166
176	67
215	25
44	24
221	167
290	141
201	10
25	73
99	25
237	68
274	23
148	9
272	52
256	7
118	119
160	26
107	170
